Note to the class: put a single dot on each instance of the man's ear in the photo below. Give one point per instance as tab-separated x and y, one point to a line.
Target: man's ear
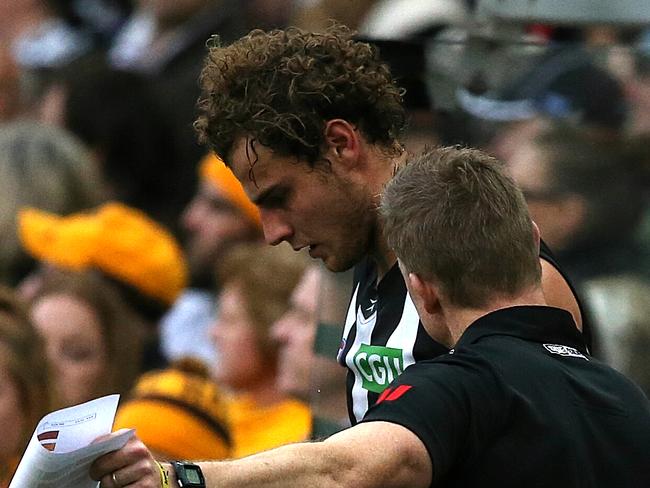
536	235
425	292
342	143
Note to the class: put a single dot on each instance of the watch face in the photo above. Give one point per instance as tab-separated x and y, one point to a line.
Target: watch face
188	475
192	475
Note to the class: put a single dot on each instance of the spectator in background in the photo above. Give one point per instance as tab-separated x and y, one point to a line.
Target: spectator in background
92	338
407	61
306	369
120	120
43	167
25	395
588	197
100	18
219	216
9	85
316	15
43	36
637	86
138	255
268	14
412	19
638	91
257	283
295	333
504	85
165	39
182	396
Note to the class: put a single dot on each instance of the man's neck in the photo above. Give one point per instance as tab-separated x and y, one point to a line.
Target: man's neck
459	319
382	254
384	258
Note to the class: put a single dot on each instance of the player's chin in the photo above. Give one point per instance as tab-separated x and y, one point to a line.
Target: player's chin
336	265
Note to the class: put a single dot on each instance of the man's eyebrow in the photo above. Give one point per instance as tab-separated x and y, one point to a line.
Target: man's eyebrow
263	195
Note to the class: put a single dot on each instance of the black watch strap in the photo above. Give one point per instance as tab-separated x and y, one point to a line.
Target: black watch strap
188	475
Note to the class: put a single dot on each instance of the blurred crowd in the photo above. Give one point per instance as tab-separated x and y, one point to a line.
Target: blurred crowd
132	262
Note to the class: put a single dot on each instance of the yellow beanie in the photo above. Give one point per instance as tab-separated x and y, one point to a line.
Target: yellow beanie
213	170
118	240
178	414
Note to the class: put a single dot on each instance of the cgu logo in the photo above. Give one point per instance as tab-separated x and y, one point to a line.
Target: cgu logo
378	366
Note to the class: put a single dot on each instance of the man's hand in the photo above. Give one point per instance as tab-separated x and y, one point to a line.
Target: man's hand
131	466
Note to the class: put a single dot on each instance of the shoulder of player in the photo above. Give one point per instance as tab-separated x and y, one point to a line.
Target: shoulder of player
457	366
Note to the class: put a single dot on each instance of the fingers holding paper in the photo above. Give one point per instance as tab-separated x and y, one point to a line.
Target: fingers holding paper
132	466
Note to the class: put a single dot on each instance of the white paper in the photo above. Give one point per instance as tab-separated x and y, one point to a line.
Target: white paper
61	449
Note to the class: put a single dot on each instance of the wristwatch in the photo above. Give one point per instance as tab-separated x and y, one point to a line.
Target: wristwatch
188	475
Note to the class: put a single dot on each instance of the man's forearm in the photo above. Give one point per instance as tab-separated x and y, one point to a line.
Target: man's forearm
296	465
368	455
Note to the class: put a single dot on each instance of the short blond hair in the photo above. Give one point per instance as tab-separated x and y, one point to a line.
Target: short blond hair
453	215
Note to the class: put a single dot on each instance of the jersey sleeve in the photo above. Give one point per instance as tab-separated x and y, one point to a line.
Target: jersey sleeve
454	404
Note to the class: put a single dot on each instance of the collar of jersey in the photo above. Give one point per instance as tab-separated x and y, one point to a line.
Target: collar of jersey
534	323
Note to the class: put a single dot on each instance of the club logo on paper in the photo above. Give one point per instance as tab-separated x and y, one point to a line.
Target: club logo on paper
378	366
48	439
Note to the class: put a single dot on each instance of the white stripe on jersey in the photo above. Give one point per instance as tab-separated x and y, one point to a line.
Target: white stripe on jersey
350	317
403	337
364	333
406	332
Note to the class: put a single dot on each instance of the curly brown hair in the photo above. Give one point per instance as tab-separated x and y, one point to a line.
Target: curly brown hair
281	87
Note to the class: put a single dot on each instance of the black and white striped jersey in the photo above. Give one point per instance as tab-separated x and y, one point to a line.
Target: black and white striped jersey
383	334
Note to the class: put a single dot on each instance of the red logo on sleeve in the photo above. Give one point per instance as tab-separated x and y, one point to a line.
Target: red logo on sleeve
392	394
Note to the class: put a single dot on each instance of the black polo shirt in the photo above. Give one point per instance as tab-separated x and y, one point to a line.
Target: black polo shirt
518	402
383	335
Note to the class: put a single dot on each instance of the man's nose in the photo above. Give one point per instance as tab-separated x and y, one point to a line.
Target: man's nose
275	226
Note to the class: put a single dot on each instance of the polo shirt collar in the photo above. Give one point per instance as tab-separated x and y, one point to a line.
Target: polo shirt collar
534	323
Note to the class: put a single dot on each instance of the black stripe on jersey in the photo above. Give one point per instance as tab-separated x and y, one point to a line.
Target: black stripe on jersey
349	380
390	307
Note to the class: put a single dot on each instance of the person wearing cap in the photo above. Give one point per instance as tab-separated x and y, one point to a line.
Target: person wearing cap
182	395
45	167
219	216
134	252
